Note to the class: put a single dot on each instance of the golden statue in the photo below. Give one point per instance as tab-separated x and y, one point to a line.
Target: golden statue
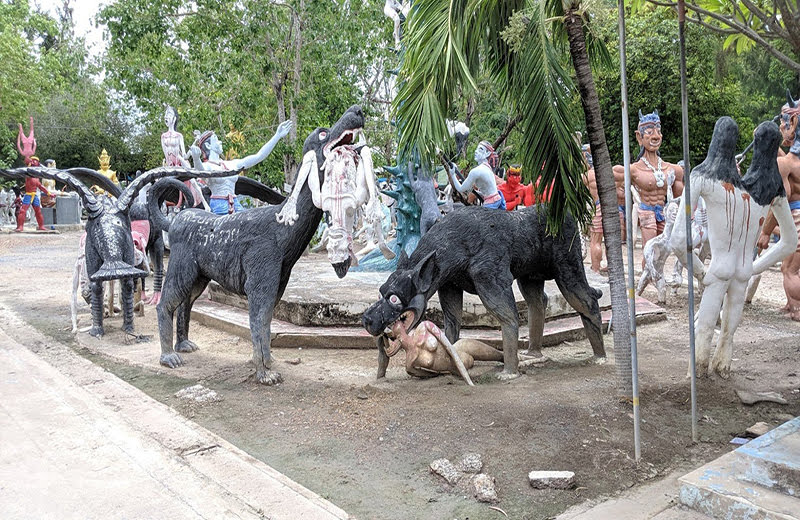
106	171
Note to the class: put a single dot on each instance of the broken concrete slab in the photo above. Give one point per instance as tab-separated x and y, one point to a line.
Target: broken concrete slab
751	398
483	488
552	479
445	469
470	463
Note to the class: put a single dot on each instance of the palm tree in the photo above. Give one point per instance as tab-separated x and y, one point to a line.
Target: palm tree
521	45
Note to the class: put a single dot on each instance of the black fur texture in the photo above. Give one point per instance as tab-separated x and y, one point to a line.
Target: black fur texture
482	251
248	253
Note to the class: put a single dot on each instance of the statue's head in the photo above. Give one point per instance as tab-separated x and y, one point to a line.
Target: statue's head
587	155
32	161
790	124
171	117
50	163
485	153
514	175
648	133
209	142
105	160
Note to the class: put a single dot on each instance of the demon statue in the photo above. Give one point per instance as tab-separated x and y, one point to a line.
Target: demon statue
501	247
737	207
249	253
348	182
206	155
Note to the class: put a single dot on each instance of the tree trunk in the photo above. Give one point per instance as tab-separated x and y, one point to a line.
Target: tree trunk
607	192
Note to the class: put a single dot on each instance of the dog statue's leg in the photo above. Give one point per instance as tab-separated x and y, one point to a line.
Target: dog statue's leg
583	298
126	295
535	297
97	309
451	298
176	289
182	320
498	297
262	296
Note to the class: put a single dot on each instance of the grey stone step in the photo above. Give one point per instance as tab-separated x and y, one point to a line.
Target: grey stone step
773	460
235	320
316	297
753	482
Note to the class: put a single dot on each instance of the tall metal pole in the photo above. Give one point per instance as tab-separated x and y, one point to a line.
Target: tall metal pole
687	190
626	154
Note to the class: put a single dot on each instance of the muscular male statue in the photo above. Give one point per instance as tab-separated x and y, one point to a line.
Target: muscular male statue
481	177
651	176
789	167
206	155
596	229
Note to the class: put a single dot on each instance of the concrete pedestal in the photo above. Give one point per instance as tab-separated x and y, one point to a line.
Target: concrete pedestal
67	211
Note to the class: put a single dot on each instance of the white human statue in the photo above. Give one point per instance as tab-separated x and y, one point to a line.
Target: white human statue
481	177
736	208
206	154
394	9
174	155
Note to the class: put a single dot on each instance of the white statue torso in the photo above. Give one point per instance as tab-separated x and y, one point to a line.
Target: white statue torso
482	178
223	186
172	144
734	224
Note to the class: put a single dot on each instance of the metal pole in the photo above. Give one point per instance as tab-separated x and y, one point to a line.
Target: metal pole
688	205
626	154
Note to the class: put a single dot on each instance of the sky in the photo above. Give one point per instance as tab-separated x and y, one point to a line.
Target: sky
83	14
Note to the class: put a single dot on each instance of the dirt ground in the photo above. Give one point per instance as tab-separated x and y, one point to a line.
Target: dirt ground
366	446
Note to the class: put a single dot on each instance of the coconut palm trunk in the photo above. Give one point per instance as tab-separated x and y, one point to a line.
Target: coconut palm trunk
606	189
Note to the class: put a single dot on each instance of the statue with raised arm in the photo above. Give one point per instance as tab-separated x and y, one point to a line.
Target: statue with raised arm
207	155
651	176
481	177
397	10
736	208
174	154
26	144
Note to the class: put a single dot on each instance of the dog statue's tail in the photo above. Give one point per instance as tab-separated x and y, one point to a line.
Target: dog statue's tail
159	193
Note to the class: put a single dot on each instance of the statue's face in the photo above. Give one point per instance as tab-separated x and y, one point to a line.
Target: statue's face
481	154
105	161
649	136
214	144
514	179
169	117
788	128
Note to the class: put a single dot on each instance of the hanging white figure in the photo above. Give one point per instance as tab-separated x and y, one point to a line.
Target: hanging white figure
394	9
348	182
737	207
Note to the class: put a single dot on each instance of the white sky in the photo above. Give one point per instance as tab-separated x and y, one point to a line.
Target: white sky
83	14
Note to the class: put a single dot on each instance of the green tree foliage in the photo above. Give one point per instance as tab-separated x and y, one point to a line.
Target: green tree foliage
249	65
45	73
654	84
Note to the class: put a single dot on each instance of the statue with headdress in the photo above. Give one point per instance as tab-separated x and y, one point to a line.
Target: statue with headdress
651	177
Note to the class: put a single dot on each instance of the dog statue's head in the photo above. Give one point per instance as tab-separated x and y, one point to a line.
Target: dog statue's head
403	296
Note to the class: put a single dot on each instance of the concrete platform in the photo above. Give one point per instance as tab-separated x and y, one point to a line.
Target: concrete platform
316	297
76	442
757	481
235	320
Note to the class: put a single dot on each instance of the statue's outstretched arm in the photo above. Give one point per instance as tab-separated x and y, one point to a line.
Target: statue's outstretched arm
788	241
251	160
677	242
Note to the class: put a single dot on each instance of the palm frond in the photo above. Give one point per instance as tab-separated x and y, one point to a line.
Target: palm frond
448	42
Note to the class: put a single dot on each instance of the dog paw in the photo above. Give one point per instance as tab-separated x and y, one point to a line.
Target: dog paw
171	360
507	376
186	346
269	377
96	331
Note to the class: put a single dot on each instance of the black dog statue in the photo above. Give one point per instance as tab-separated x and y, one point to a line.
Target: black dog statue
482	251
248	253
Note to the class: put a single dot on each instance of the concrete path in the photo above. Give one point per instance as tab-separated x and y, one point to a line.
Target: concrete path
77	442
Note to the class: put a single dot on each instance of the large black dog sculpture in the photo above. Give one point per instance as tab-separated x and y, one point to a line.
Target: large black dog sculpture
109	253
248	253
482	251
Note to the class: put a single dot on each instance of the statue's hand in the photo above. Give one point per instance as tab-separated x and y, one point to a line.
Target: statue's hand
284	129
288	214
194	151
763	241
373	212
